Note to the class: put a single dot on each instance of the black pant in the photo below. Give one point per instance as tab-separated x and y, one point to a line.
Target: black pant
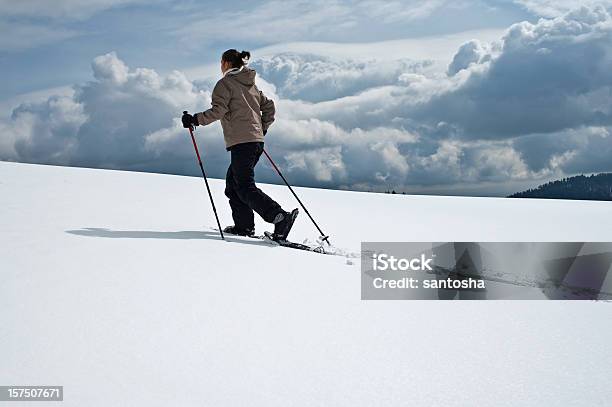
244	196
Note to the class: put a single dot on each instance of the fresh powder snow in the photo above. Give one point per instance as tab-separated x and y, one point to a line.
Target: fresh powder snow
116	285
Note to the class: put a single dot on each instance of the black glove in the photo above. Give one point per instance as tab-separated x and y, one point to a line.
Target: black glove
188	120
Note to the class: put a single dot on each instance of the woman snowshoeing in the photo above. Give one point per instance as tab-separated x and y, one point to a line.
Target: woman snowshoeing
245	114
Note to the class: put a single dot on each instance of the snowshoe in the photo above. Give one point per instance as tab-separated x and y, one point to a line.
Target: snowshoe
233	230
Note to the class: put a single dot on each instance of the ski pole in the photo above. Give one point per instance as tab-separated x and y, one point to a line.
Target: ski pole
324	237
195	146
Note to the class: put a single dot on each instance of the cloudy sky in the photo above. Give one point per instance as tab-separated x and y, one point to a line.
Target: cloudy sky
473	97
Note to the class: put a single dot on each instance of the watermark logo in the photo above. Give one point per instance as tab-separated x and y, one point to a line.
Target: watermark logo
383	262
486	270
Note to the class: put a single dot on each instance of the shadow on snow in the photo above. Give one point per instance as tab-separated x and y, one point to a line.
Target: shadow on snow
150	234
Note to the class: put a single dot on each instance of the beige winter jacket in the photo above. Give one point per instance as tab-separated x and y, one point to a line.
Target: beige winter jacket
244	111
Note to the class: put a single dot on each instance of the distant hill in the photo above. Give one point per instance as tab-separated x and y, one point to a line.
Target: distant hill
595	188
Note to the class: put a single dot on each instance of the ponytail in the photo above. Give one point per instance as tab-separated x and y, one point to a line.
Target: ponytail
235	58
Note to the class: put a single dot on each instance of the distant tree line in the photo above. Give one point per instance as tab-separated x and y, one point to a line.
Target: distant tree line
595	187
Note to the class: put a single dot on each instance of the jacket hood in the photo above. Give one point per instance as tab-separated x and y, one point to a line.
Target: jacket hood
244	76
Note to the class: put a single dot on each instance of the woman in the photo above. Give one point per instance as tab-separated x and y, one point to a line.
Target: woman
245	114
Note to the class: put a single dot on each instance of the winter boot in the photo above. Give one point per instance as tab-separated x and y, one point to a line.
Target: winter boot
233	230
283	223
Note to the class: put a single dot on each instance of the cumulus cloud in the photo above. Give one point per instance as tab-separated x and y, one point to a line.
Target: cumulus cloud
128	118
46	130
314	78
541	79
546	77
106	121
472	52
532	105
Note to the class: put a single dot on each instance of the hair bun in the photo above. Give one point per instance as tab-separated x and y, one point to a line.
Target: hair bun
235	58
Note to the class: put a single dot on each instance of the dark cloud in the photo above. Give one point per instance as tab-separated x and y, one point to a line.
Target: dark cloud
547	77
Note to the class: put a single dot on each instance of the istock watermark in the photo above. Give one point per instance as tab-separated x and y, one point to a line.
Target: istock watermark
383	261
486	270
